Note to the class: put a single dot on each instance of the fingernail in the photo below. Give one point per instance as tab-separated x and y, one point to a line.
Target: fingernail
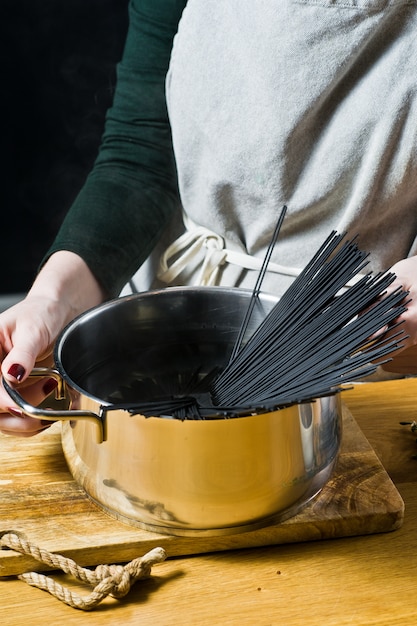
49	386
17	371
13	411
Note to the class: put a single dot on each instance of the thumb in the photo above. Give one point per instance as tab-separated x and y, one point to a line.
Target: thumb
18	365
21	359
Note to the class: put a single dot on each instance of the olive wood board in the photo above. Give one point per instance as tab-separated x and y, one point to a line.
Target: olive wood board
40	499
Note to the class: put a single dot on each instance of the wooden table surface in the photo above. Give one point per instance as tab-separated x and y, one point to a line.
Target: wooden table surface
360	580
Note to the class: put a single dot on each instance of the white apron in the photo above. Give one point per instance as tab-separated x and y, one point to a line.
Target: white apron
309	103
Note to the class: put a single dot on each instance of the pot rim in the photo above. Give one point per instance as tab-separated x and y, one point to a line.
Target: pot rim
120	301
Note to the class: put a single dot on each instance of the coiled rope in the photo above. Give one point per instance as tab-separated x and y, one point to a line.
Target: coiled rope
108	580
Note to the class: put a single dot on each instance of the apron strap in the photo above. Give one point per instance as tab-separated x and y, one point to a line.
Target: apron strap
197	240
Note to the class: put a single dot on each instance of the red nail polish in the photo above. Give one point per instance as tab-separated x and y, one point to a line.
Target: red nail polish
17	371
49	386
13	411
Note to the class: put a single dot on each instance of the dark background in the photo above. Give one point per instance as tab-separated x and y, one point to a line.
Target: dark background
58	61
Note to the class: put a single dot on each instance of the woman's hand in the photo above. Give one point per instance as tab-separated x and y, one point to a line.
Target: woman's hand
26	336
64	288
405	360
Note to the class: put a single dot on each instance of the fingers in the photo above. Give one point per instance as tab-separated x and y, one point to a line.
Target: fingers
403	362
19	425
12	420
33	390
21	359
17	373
23	339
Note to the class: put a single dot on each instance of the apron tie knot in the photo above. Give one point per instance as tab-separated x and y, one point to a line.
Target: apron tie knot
184	250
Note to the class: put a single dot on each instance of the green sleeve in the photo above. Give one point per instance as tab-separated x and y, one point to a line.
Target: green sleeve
131	192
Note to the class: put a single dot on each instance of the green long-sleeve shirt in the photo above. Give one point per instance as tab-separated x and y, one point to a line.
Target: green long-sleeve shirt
130	194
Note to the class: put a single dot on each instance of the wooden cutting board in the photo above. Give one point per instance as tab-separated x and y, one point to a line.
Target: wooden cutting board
39	498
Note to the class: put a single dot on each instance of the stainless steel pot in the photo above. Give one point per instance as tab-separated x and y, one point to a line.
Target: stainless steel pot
181	477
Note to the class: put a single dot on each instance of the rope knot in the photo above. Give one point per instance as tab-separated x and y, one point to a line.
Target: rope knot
108	580
114	578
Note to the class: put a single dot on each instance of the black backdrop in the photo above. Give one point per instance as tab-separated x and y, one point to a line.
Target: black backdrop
58	60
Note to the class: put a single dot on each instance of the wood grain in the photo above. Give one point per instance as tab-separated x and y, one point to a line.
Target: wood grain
362	580
39	499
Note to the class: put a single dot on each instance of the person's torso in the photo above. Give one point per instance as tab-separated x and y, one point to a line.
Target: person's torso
304	103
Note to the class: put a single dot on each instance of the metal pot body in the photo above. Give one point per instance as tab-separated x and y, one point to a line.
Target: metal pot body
185	477
213	477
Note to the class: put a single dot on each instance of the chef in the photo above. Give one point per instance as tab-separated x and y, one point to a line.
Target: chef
224	112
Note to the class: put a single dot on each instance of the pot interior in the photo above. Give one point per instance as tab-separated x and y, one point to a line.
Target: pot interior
157	344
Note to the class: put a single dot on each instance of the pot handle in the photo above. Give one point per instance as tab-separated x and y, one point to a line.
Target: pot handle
52	414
